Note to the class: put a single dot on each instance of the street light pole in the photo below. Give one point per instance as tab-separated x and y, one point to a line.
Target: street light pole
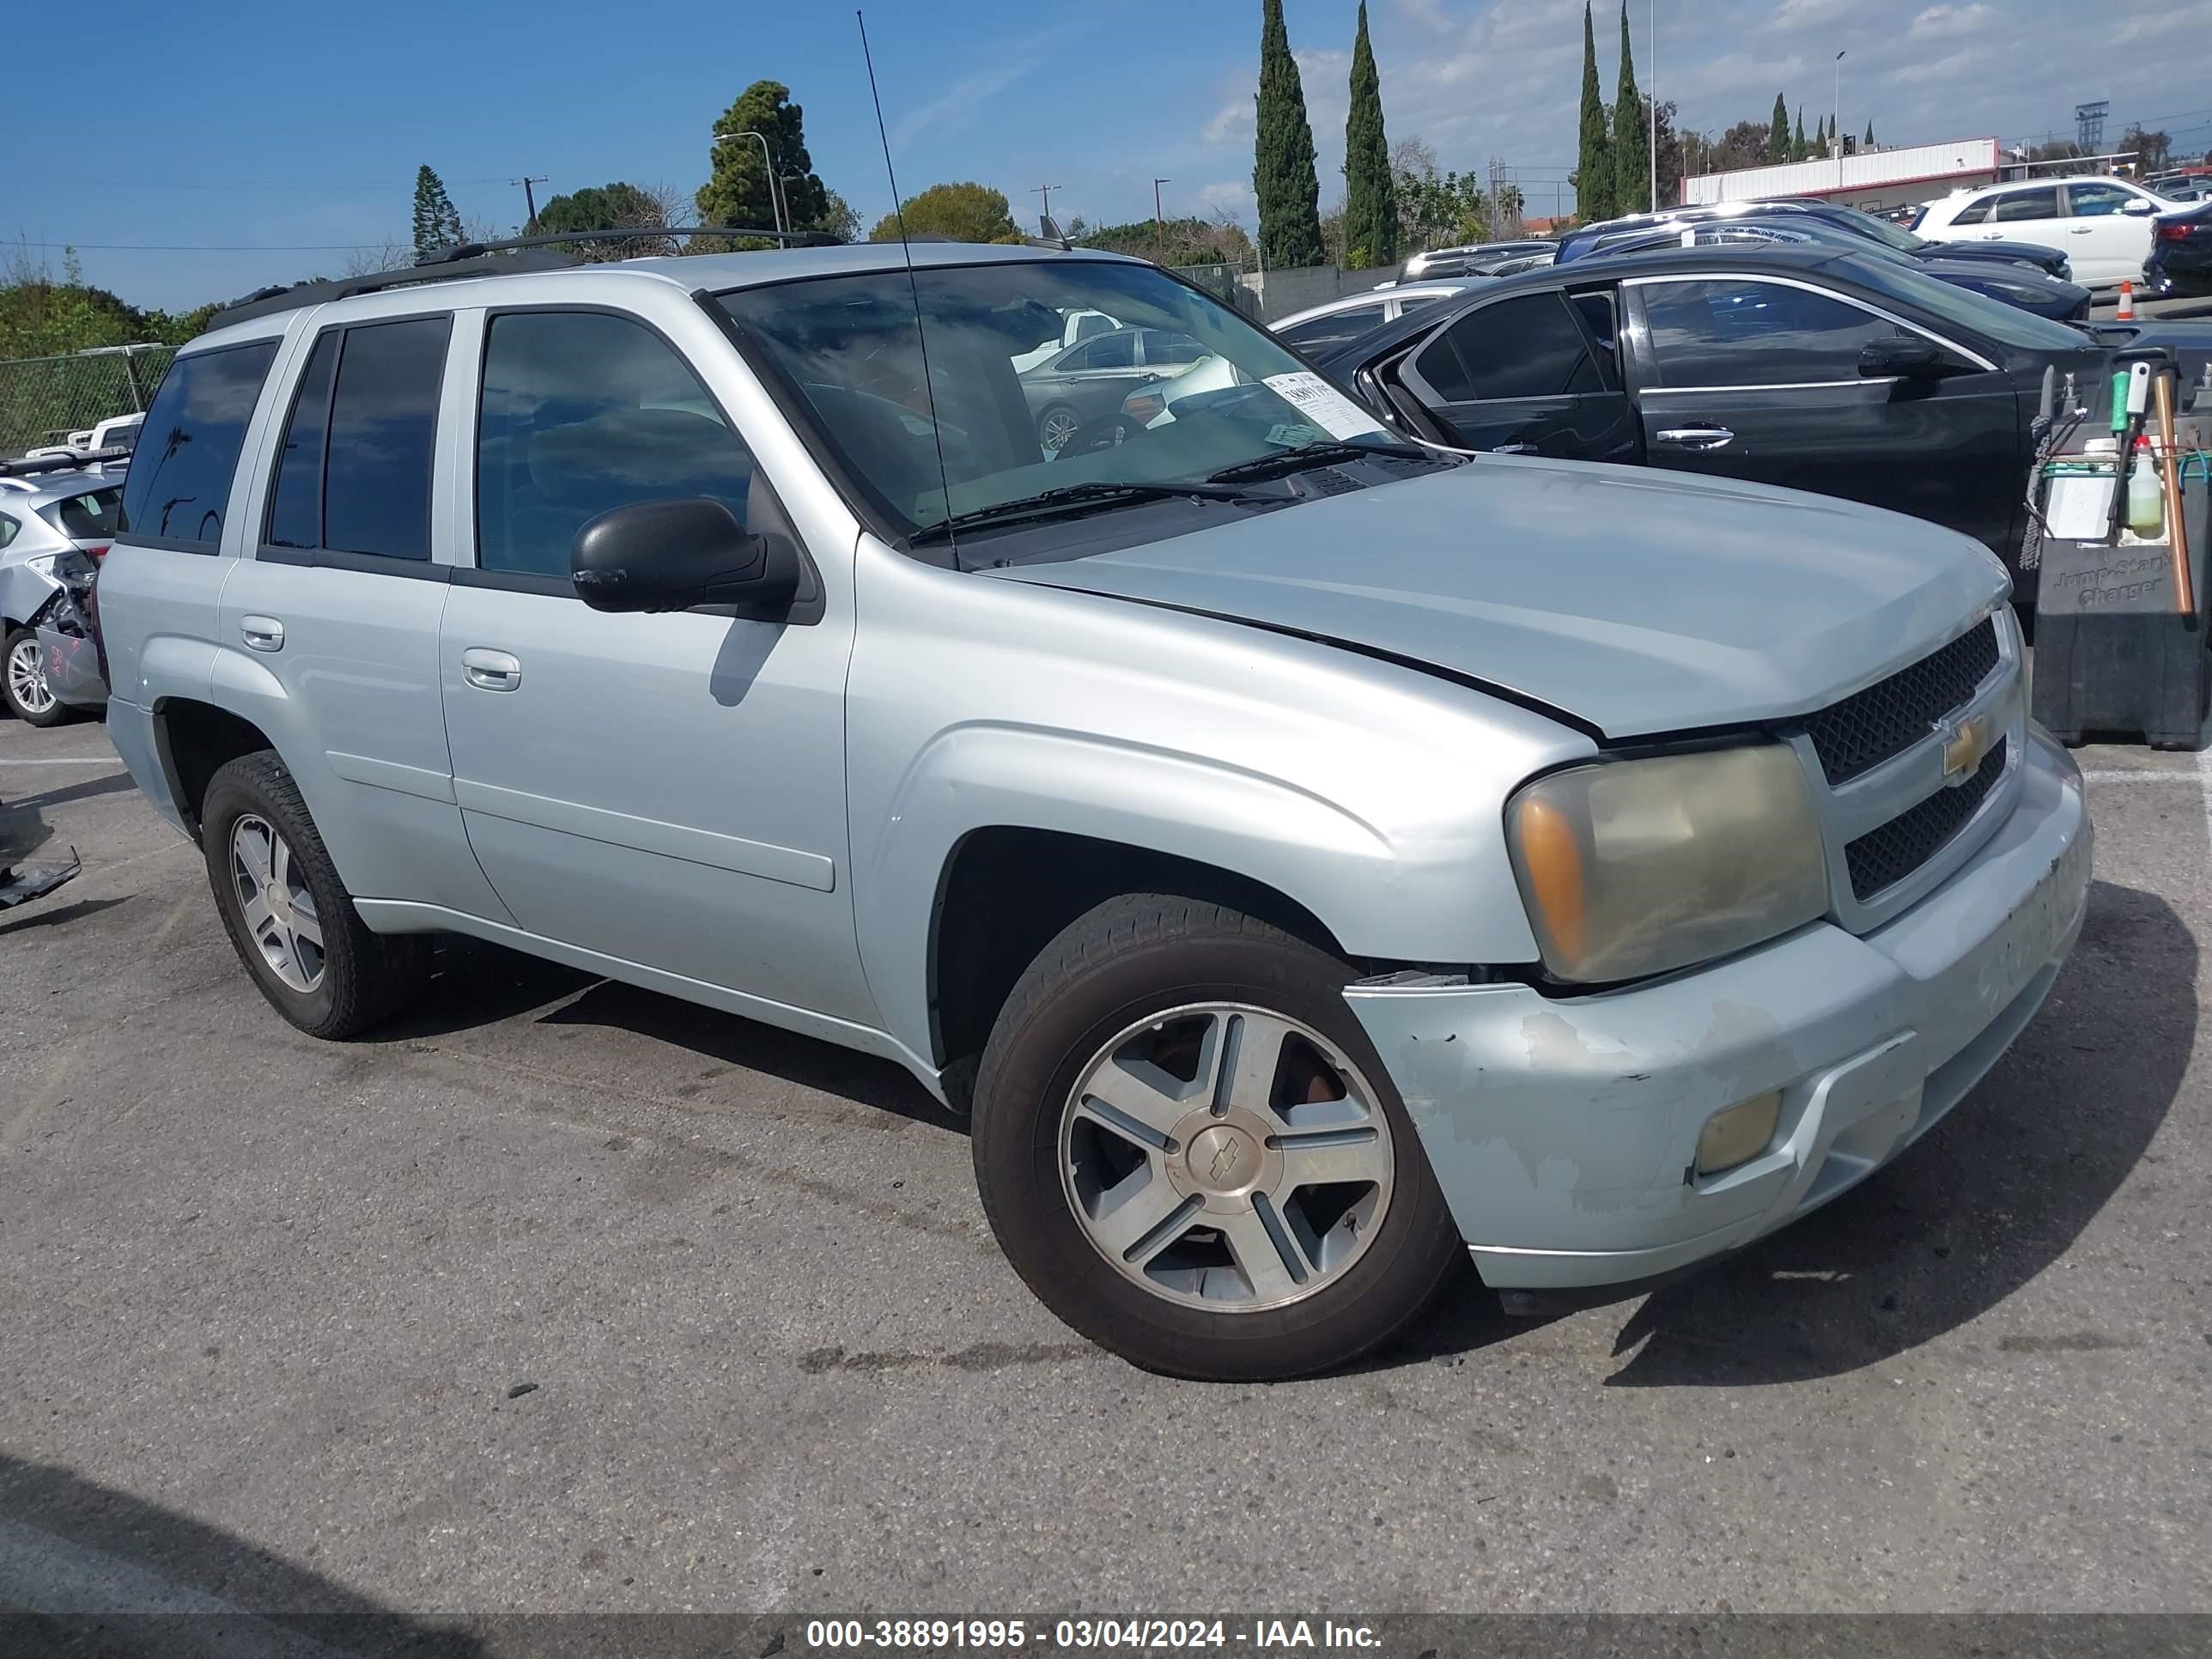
1651	69
1835	125
1159	222
768	167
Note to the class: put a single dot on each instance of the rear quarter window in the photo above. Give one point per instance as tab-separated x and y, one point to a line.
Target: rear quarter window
179	486
85	516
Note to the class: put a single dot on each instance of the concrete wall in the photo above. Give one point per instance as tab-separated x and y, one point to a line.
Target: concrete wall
1279	292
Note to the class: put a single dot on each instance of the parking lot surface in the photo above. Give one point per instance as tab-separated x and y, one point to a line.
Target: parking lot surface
565	1296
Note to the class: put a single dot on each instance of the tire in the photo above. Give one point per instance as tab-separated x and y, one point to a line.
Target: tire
353	979
1056	425
23	685
1167	975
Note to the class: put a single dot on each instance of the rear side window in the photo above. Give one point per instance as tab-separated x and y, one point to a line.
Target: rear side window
178	489
88	517
1973	214
2026	204
1529	346
354	474
584	412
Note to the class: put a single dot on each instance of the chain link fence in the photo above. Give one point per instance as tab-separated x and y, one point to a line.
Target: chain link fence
44	399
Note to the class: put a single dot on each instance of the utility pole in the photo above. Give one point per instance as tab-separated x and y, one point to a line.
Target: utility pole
1046	191
529	200
1159	223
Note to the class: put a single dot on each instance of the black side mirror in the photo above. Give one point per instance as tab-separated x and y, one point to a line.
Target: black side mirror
1907	357
671	555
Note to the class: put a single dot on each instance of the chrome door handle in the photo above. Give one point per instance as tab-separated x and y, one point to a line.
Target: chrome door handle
490	670
1697	437
262	633
2081	230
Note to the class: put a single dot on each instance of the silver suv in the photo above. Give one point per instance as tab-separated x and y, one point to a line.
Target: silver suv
1313	857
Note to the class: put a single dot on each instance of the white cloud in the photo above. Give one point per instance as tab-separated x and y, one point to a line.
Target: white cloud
1942	69
1802	13
1234	120
2168	20
1945	22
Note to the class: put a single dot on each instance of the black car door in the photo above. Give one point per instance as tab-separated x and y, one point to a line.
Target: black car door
1759	378
1529	374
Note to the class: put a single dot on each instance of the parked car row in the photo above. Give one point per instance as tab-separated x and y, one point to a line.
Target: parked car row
2102	225
51	512
1280	833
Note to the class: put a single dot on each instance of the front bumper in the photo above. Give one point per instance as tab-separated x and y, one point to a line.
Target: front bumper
1564	1131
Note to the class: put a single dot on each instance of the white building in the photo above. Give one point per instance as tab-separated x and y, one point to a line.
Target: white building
1873	178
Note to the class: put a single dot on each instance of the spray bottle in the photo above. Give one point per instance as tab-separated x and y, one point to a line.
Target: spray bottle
2146	493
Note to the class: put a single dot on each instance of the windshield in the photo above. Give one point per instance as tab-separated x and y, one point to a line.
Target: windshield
1175	389
1997	319
1852	223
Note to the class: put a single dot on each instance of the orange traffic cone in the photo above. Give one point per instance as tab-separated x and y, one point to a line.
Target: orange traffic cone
2126	313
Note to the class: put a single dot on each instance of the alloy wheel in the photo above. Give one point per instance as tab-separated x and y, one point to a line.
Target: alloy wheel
1225	1157
27	677
276	904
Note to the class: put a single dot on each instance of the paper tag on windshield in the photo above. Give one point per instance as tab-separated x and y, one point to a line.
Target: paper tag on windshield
1322	404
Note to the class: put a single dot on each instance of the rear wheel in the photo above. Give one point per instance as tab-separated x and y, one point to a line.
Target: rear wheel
1192	1154
288	915
1056	426
23	681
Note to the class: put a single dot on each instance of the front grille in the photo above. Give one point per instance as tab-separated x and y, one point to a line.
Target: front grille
1868	727
1882	858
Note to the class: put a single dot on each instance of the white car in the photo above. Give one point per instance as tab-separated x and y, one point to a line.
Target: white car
2103	226
1346	318
121	432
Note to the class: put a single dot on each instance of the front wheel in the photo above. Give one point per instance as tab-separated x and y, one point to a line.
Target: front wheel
23	681
1192	1154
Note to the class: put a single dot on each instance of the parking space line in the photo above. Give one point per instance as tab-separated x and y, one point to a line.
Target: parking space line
109	761
2198	779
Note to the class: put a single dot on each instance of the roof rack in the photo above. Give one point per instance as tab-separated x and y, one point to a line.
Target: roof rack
19	468
512	256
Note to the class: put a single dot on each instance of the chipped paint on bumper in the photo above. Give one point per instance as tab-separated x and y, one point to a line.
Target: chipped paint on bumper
1564	1131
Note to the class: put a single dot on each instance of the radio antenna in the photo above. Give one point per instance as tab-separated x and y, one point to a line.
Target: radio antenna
913	288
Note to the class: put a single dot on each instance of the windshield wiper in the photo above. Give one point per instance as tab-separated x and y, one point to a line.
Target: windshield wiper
1047	503
1312	455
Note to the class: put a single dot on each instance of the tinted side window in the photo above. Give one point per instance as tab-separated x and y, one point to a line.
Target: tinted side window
177	491
1529	346
383	428
1115	350
584	412
2026	204
2092	201
82	518
1161	347
295	508
1727	332
1973	214
8	529
1334	329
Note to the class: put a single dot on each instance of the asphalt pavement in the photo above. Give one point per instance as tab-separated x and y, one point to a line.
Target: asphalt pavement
562	1296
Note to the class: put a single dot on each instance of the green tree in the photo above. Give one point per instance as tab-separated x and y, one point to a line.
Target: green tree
1778	136
617	206
1632	146
1868	140
1370	197
737	192
965	212
1799	149
839	219
1283	154
437	224
1186	241
1593	179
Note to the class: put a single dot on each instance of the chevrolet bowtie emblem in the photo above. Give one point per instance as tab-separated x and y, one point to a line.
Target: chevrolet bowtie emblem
1964	749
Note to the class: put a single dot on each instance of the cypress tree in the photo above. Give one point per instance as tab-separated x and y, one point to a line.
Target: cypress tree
1778	136
1370	196
1283	154
1631	145
1799	149
1869	137
1594	198
437	224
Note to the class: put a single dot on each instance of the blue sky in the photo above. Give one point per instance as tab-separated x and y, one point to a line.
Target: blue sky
275	127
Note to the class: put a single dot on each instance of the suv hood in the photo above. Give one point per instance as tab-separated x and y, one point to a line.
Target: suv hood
1638	602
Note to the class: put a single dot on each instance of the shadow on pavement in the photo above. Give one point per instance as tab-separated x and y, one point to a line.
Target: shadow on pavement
1995	1194
474	983
87	1570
